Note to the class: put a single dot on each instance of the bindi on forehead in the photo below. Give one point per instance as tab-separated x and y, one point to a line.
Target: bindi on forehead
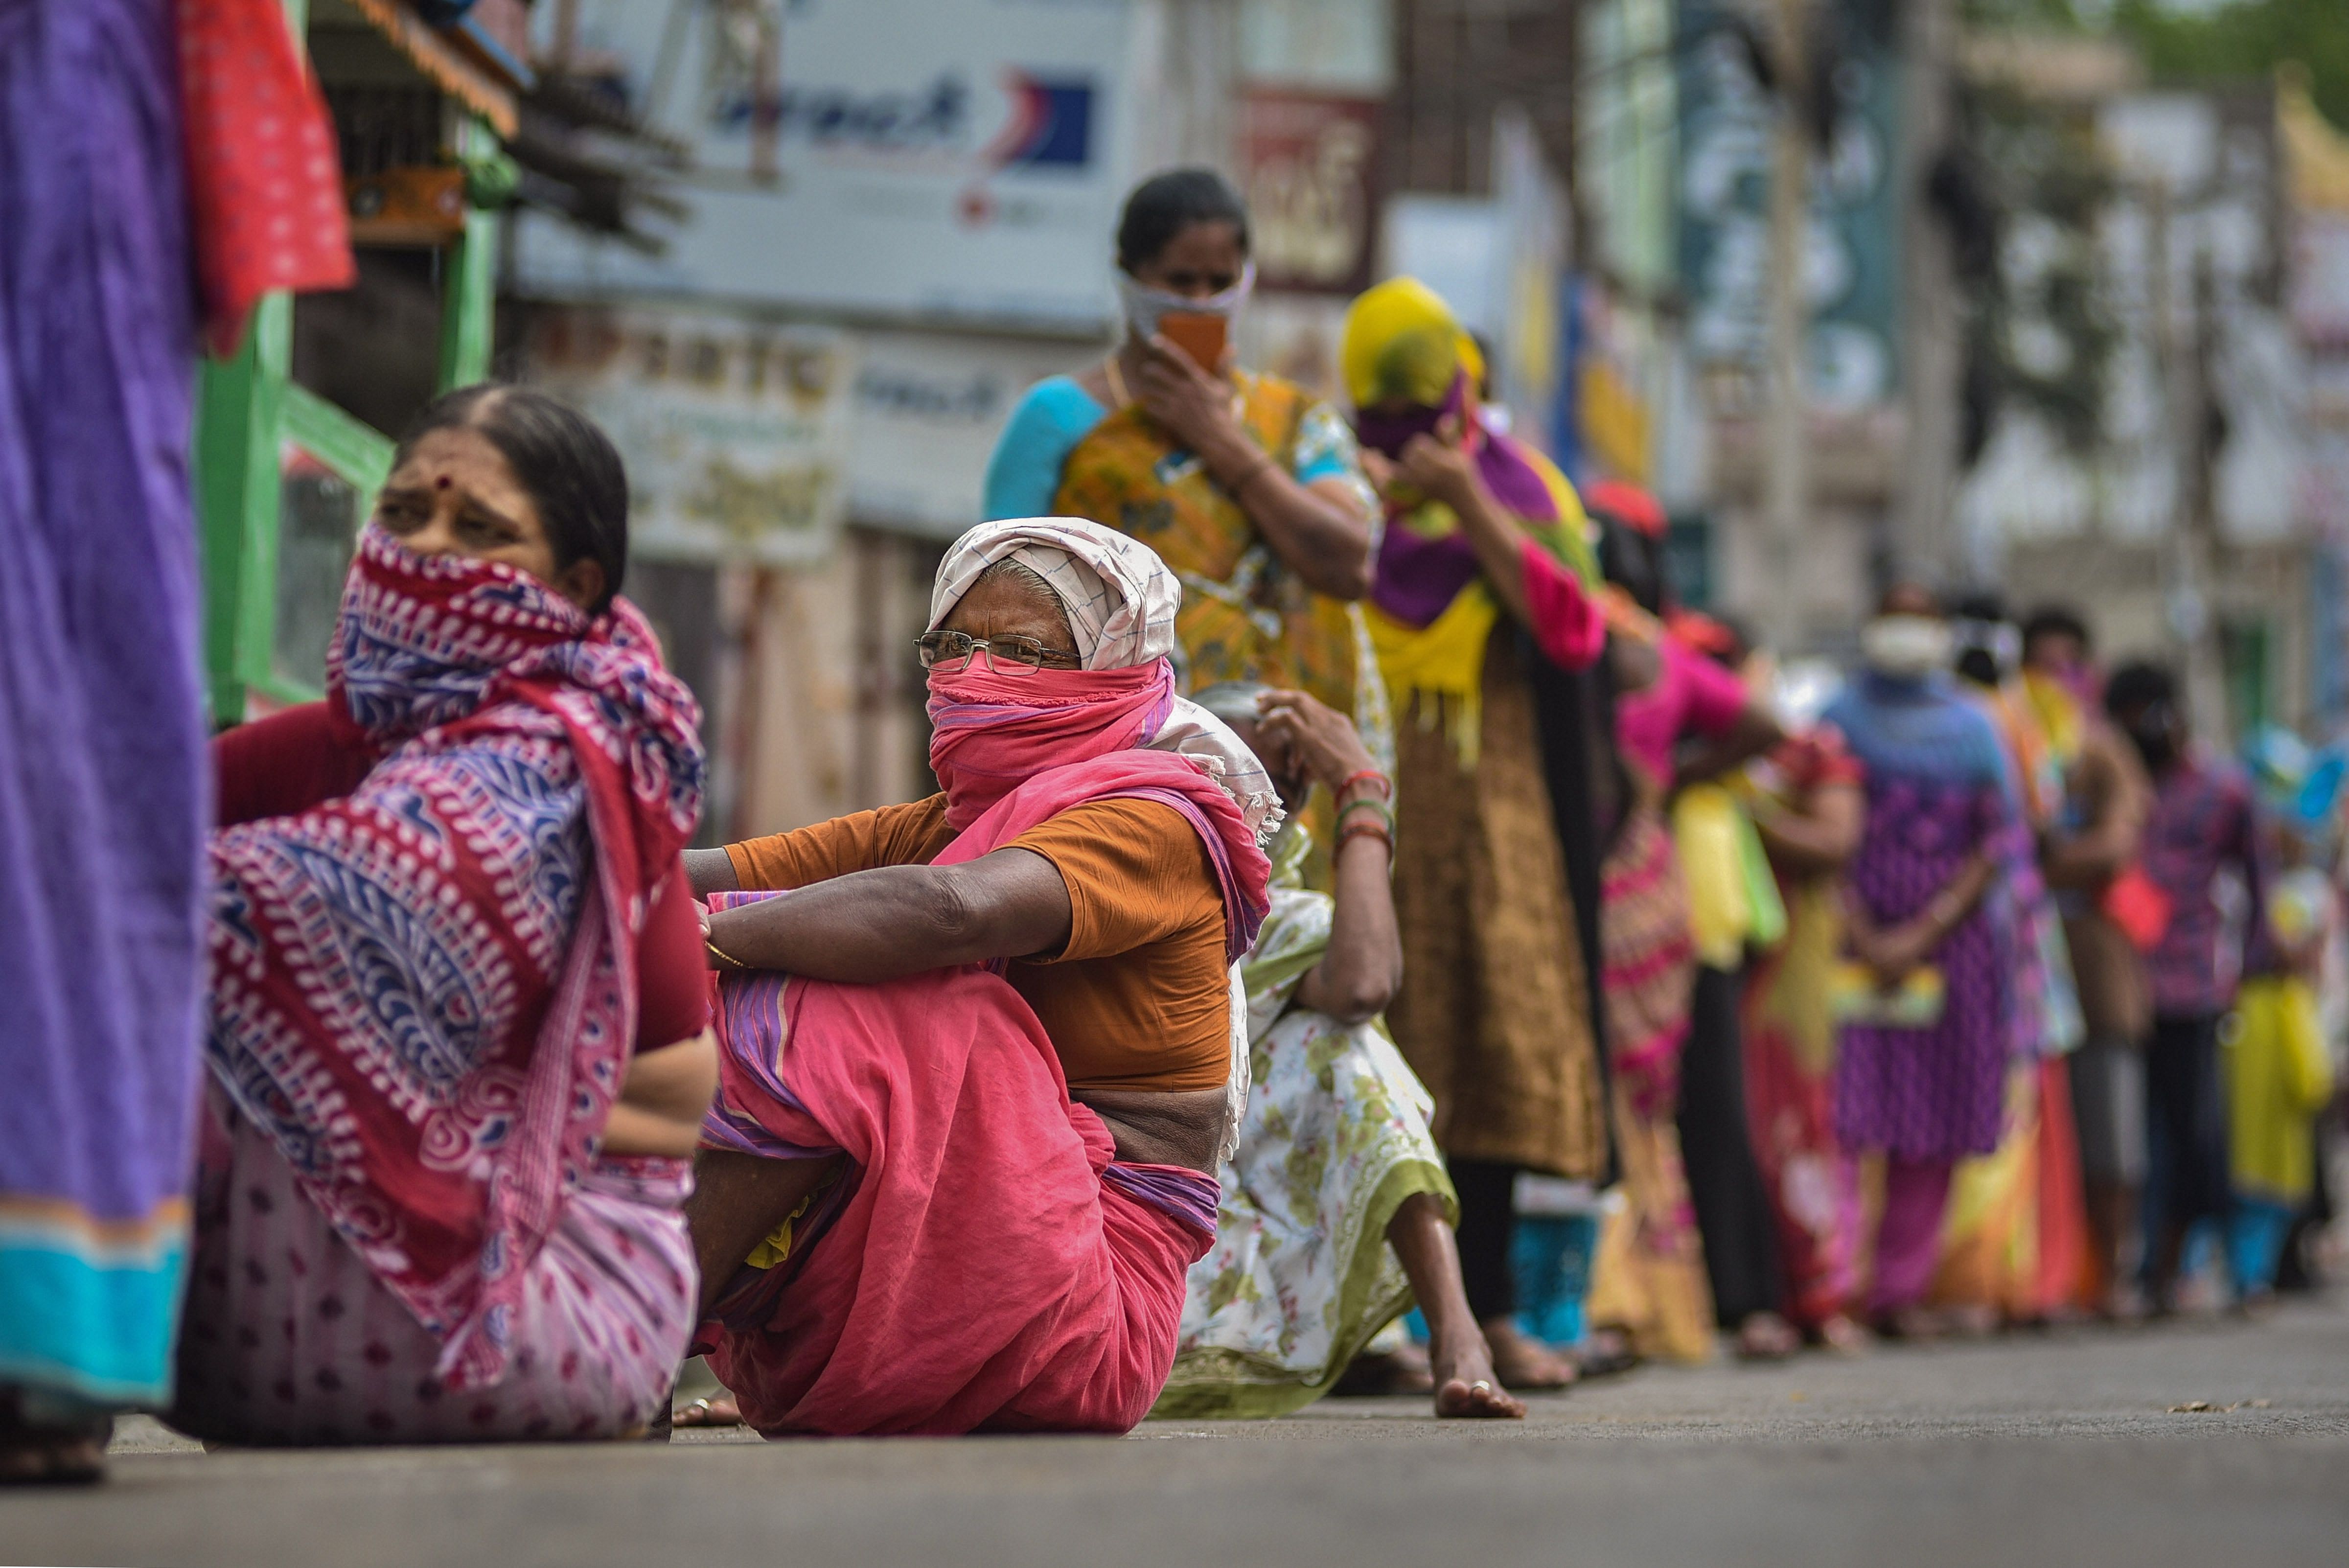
441	482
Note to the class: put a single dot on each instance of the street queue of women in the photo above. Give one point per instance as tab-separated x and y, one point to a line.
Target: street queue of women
1345	853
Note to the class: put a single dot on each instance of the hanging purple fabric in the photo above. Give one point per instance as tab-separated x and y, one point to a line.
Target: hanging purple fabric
104	780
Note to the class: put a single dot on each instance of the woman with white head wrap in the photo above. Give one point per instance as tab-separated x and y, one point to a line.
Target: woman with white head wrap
1120	600
990	1032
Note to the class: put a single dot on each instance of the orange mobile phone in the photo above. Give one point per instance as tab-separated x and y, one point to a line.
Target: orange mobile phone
1198	335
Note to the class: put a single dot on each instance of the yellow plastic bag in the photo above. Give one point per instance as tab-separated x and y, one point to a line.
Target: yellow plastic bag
2278	1078
1766	923
1705	830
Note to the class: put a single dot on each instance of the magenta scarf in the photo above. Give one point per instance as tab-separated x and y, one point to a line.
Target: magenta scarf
989	733
1011	752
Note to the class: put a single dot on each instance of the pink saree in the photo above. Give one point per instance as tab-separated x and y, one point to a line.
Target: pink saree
984	1262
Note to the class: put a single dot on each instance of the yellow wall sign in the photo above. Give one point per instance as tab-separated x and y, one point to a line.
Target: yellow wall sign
1614	419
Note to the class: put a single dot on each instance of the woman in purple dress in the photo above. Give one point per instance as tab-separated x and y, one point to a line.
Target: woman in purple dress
102	801
1917	1082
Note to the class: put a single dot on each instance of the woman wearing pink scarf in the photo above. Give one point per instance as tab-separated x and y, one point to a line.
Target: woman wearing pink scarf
978	1068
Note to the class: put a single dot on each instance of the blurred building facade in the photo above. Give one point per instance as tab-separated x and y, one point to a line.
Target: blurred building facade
900	213
896	214
2197	517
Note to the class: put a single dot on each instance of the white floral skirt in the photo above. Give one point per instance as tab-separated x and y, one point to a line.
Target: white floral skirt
1335	1139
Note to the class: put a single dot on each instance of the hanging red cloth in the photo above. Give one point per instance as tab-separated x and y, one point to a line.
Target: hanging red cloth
264	182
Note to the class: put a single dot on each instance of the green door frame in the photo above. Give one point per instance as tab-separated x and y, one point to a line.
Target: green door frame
249	406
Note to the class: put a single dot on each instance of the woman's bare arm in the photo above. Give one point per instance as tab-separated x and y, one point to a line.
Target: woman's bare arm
663	1098
1318	529
1362	968
1754	731
899	920
2108	842
1820	836
711	871
1439	466
1893	952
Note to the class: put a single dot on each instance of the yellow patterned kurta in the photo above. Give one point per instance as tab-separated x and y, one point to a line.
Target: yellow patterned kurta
1247	614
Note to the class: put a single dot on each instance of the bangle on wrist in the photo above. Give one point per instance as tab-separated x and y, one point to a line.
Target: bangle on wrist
1262	466
1352	831
722	956
1370	776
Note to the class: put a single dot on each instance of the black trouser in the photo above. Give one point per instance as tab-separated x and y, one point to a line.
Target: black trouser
1487	1191
1732	1207
2186	1122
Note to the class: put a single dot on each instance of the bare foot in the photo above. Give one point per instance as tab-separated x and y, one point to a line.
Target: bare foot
1525	1363
1973	1320
1918	1324
1766	1336
1605	1353
55	1461
1843	1336
1465	1385
720	1410
1402	1371
2124	1304
37	1453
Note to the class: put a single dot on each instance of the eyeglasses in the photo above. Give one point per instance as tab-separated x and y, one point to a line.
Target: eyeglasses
952	652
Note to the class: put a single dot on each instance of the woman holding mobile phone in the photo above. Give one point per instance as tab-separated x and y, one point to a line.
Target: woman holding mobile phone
1247	485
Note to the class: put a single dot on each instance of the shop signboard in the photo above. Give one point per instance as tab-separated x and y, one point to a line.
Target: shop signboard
928	408
1308	160
735	431
942	158
1850	268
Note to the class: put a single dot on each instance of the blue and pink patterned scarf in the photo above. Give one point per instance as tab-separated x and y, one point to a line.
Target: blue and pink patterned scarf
425	993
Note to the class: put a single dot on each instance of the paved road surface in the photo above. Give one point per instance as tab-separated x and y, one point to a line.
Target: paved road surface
2059	1448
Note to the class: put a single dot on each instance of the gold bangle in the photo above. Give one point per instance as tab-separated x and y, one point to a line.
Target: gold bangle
722	956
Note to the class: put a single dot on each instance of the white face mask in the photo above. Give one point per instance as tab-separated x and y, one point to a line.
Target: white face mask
1905	645
1144	304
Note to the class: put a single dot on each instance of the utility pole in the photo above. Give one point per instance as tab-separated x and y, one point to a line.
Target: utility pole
1785	458
1932	348
2184	348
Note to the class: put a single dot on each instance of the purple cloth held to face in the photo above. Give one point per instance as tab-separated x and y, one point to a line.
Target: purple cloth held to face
1419	577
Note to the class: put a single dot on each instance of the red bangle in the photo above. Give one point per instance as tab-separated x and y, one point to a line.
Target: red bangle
1354	830
1368	776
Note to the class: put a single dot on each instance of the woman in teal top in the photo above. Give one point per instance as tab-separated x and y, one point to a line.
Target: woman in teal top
1248	486
1023	477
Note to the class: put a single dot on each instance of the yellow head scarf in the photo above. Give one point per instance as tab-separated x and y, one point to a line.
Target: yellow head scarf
1403	344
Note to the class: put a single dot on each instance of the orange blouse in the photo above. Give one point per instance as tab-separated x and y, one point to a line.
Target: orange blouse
1140	997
